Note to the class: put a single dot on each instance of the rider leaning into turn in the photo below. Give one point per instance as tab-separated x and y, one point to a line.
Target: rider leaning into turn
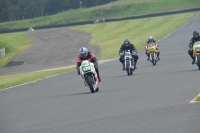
85	55
194	39
128	46
150	39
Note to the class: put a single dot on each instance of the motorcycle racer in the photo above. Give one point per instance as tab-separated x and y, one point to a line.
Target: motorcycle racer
85	55
128	46
150	39
194	39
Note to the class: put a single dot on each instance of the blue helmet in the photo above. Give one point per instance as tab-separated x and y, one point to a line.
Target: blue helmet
83	52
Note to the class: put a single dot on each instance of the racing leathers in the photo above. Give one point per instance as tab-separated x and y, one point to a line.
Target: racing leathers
157	47
190	51
132	49
91	57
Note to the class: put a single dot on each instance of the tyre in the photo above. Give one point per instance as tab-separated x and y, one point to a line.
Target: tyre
153	59
127	68
89	80
198	61
132	69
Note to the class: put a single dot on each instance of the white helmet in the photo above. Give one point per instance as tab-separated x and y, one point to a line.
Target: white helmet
150	38
83	52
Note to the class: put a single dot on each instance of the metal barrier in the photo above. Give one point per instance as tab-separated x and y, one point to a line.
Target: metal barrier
2	52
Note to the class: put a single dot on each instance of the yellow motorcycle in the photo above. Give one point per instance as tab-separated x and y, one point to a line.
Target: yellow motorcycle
153	52
196	53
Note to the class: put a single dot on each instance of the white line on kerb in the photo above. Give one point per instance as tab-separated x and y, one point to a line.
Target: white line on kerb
194	100
100	62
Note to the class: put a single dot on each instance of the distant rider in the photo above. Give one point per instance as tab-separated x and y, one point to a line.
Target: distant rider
194	39
128	46
150	39
85	55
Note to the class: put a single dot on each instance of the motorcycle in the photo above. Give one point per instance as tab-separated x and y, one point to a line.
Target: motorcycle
196	53
152	50
129	63
89	75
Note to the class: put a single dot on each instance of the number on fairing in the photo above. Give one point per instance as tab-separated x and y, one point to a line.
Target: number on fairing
197	48
86	68
152	49
127	53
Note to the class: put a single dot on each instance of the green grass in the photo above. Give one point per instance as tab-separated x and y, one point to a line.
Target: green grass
20	78
116	9
110	36
198	98
14	43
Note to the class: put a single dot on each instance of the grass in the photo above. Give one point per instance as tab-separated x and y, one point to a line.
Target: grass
110	36
120	8
14	43
198	98
20	78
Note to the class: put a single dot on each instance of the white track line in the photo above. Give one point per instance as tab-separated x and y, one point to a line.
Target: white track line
100	62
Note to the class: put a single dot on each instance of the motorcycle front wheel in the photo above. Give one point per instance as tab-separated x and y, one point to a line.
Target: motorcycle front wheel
89	80
128	68
153	59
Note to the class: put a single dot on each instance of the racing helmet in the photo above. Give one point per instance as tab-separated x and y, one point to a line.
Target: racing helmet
195	34
83	52
150	38
126	42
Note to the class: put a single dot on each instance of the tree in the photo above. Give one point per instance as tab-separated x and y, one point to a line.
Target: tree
41	6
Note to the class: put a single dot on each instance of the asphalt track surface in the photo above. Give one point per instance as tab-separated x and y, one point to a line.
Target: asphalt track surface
154	100
53	48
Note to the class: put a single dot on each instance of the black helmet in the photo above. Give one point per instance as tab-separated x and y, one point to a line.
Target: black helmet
195	34
126	42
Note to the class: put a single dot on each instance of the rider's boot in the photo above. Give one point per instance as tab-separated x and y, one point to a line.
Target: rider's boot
123	65
135	65
193	61
148	57
99	77
85	83
158	55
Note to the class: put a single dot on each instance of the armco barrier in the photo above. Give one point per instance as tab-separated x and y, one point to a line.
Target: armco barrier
107	20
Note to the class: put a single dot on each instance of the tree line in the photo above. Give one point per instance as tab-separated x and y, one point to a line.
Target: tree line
11	10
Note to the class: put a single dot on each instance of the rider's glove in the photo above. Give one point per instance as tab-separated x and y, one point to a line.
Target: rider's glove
120	54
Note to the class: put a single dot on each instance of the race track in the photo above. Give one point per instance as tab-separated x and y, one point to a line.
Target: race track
154	100
53	48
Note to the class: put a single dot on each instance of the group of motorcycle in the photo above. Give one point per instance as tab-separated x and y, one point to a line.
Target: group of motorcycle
129	63
89	74
153	52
